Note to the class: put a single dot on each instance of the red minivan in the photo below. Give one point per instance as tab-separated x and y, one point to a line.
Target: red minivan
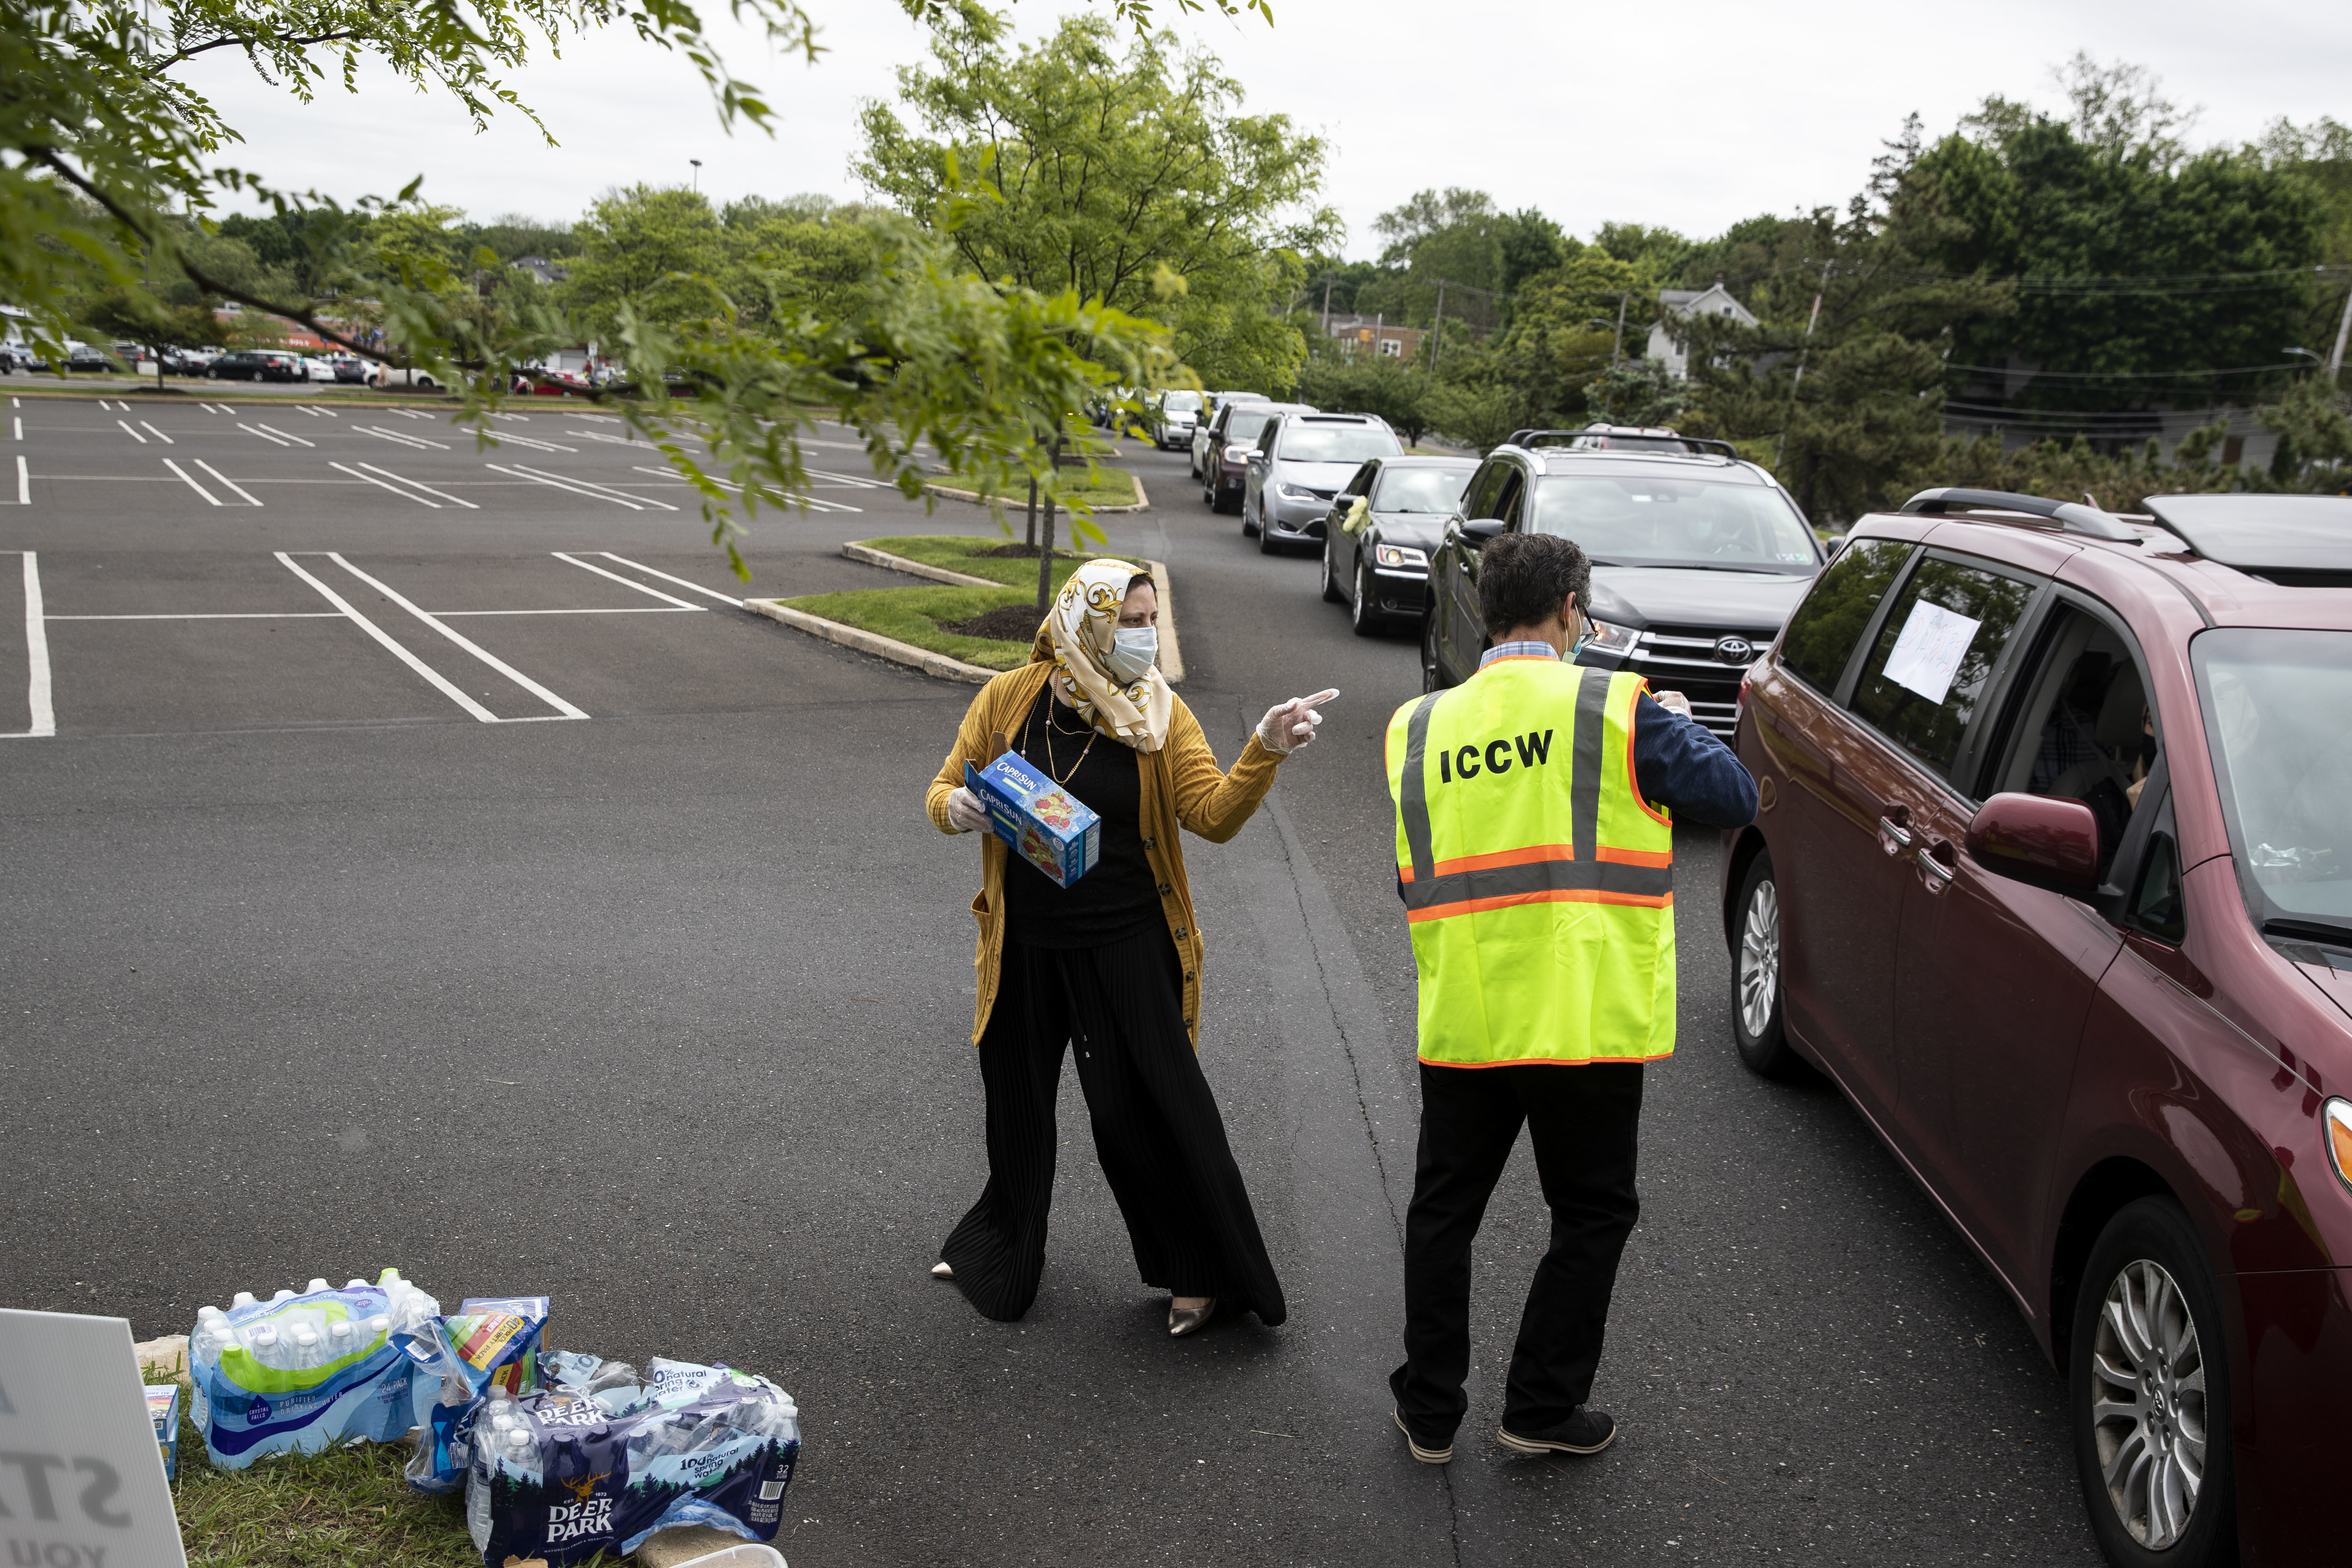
2051	873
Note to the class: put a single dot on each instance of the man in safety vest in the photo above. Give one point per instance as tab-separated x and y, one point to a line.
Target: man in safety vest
1534	812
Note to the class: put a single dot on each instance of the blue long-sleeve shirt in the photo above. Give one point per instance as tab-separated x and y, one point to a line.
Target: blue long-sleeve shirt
1680	764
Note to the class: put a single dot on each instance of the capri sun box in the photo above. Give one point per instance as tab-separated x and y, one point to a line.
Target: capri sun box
1046	824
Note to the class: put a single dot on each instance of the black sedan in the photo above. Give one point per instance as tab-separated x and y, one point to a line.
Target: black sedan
1383	529
256	365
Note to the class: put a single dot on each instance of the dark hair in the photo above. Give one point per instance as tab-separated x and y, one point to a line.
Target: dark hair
1140	580
1524	577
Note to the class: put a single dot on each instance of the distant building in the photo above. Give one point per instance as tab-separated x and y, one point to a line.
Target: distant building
1681	304
1371	335
540	268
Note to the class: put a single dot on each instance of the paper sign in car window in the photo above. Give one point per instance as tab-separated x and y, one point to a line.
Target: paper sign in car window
1929	651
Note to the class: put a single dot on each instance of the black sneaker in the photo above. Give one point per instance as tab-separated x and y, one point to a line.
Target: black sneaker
1584	1432
1427	1455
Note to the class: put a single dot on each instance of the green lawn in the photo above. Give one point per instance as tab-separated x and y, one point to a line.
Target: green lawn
347	1506
963	552
913	615
1103	486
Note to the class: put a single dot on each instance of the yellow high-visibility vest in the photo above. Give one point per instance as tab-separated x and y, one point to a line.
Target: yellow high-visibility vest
1538	882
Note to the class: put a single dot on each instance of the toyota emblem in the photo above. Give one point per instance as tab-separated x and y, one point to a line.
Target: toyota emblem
1734	650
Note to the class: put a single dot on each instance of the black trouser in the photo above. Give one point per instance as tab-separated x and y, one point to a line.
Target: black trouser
1157	1130
1584	1123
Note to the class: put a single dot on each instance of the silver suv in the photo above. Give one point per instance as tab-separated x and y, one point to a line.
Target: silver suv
1301	460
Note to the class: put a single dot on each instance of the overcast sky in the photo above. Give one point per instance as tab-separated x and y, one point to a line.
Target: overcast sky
1692	117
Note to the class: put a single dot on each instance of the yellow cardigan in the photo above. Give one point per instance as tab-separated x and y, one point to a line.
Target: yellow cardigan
1182	786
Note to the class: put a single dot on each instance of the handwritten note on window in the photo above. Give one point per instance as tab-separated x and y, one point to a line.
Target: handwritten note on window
1929	650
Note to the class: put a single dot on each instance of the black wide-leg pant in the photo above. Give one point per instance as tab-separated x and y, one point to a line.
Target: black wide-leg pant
1157	1130
1583	1123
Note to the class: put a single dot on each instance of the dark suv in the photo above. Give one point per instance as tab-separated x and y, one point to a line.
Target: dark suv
1697	556
2052	874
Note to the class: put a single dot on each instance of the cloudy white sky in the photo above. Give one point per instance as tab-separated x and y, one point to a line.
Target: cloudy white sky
1694	116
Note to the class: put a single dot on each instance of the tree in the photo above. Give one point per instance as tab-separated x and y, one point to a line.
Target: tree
1130	178
104	138
1371	383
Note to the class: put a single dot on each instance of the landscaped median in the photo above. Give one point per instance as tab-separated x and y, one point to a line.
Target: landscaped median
975	619
1103	490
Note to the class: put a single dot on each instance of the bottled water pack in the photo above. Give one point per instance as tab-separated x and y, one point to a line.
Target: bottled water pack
305	1370
489	1344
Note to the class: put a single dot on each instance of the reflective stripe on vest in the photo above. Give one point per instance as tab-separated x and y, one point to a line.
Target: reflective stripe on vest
1542	917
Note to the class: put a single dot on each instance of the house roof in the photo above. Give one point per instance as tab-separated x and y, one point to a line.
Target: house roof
1711	300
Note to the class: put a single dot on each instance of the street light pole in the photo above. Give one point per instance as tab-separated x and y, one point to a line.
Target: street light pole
698	174
1437	326
1617	349
2343	329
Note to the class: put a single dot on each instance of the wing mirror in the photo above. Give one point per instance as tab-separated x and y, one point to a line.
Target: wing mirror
1478	533
2044	840
1832	545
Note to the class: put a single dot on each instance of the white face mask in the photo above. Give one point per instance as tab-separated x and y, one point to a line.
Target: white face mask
1134	650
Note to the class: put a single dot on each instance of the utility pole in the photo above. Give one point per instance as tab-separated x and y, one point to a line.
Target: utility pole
1326	304
1438	327
1796	381
2343	329
1617	349
698	174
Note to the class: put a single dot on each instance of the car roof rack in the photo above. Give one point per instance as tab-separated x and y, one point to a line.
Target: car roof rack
2072	517
1605	437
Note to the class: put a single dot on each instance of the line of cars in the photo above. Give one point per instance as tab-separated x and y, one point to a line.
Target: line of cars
2052	875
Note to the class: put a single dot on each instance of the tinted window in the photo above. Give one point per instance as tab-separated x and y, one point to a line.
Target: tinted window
1484	493
1244	424
1649	520
1421	489
2278	715
1924	675
1822	632
1306	442
1182	402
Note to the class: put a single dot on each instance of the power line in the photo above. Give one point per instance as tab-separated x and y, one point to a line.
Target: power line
2121	374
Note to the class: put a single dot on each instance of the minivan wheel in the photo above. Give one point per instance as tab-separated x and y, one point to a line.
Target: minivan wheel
2148	1394
1756	988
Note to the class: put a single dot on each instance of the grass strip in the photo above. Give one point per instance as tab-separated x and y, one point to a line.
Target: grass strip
913	615
347	1506
1103	486
968	554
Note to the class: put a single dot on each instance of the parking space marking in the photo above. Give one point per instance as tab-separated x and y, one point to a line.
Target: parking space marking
158	434
493	660
626	582
234	487
417	485
441	682
848	479
20	427
24	482
321	412
44	715
408	413
190	481
641	566
600	435
383	434
130	432
580	486
217	616
814	503
508	437
271	433
381	484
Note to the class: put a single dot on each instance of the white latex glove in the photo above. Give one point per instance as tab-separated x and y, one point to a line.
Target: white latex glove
965	814
1672	702
1289	726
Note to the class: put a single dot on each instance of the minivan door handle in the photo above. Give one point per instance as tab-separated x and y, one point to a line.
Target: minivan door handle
1894	829
1936	863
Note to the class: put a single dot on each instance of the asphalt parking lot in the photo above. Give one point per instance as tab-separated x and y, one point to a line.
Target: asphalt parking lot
412	858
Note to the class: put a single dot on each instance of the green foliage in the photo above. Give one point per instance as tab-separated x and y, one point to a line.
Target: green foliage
916	615
1401	394
1127	177
968	554
1636	391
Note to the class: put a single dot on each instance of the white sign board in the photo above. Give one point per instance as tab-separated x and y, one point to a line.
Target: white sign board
81	1481
1929	651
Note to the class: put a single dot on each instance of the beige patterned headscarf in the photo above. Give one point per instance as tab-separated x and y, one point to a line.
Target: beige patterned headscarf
1075	637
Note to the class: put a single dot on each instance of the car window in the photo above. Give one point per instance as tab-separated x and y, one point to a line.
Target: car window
2155	905
1267	437
1180	403
1484	493
1513	491
2278	721
2081	726
1307	441
1244	425
1936	649
1363	483
1822	633
1650	519
1421	489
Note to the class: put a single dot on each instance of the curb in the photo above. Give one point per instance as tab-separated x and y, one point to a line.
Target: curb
932	664
859	549
1142	501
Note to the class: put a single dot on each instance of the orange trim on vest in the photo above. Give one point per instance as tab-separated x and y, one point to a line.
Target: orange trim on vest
1534	855
1632	778
1635	857
1546	895
1546	1061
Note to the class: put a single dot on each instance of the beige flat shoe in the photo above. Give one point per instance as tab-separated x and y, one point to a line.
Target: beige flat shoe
941	1271
1183	1320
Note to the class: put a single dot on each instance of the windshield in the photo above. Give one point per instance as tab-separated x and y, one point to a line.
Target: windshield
1246	423
1642	519
1182	402
2278	718
1421	489
1304	443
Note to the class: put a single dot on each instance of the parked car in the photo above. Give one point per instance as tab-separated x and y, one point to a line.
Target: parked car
1697	557
1231	439
2053	876
396	376
1204	430
16	356
256	365
351	370
1380	532
89	357
1173	417
1298	464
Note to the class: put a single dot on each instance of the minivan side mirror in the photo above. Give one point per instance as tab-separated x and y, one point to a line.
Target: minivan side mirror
1476	534
1832	545
2047	841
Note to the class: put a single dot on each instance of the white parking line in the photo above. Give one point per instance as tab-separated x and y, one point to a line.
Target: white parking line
379	484
814	503
863	484
408	413
231	483
20	427
735	600
440	681
384	435
525	418
323	413
24	482
311	412
130	432
607	610
219	616
635	503
158	434
493	660
600	435
271	433
191	482
412	484
36	655
626	582
508	438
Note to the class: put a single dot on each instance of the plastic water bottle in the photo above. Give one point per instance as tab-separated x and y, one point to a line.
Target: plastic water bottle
242	1298
339	1340
282	1296
316	1287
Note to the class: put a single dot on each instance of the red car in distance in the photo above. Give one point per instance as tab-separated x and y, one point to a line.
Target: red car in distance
2053	875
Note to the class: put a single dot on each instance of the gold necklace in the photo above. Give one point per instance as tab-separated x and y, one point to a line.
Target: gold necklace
1092	736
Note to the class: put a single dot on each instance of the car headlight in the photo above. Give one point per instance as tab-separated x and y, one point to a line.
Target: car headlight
1610	636
1238	454
2337	1118
1296	493
1398	555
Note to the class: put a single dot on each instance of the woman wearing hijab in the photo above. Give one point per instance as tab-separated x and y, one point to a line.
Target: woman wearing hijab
1110	963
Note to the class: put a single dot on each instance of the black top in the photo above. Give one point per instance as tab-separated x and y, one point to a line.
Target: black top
1117	898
